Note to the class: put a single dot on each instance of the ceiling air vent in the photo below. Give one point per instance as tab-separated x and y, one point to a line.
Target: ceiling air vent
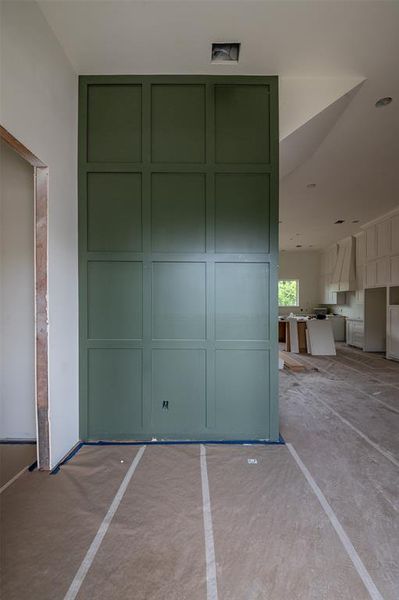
225	52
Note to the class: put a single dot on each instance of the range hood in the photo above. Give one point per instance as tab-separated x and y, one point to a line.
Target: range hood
344	274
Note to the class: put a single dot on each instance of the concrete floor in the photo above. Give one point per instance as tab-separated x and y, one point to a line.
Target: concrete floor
315	519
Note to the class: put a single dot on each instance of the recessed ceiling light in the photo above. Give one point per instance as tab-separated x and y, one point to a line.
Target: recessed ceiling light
311	185
339	222
225	52
383	102
356	221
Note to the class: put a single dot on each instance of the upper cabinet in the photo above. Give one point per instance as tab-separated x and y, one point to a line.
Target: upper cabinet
370	259
360	263
371	243
383	234
382	252
395	234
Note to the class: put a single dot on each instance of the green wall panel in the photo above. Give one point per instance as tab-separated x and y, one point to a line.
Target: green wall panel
178	123
178	379
114	392
178	212
242	124
114	212
242	384
115	292
178	302
242	212
114	123
242	301
178	222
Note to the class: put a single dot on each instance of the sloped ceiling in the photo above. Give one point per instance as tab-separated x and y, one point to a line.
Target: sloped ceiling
302	141
334	59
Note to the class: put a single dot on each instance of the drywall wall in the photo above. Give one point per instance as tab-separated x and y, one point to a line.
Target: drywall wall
38	105
304	266
17	321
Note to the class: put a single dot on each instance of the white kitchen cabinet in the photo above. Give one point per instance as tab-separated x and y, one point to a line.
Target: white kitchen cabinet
393	332
359	297
371	243
395	234
383	233
360	277
355	332
371	274
382	272
360	248
377	273
394	270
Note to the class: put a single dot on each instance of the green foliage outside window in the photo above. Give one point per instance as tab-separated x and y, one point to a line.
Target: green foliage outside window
288	292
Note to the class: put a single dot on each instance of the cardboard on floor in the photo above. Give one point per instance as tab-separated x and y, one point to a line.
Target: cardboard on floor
272	535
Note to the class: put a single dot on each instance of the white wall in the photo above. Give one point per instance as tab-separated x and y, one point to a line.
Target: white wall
38	105
17	321
304	266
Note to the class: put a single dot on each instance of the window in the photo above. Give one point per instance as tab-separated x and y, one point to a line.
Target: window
288	292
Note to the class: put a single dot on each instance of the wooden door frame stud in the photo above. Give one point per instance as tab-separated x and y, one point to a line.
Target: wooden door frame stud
41	175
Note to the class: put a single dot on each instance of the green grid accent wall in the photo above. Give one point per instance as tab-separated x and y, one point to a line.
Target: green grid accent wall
178	222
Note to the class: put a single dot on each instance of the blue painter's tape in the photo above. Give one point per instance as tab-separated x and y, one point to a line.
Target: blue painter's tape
279	442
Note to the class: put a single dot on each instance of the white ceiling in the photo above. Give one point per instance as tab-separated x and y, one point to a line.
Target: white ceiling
335	58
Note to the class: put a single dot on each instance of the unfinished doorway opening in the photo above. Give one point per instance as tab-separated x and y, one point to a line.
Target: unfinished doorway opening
38	377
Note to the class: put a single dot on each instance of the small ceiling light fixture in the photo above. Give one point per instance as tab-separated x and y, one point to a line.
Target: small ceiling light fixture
311	185
356	221
383	102
225	52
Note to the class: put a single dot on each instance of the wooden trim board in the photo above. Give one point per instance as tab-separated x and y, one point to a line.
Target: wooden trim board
41	196
291	363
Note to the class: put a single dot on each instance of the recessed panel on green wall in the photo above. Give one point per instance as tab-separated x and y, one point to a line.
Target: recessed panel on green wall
178	212
242	384
178	300
242	301
178	123
114	212
242	130
178	390
178	222
115	292
114	123
242	218
114	392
